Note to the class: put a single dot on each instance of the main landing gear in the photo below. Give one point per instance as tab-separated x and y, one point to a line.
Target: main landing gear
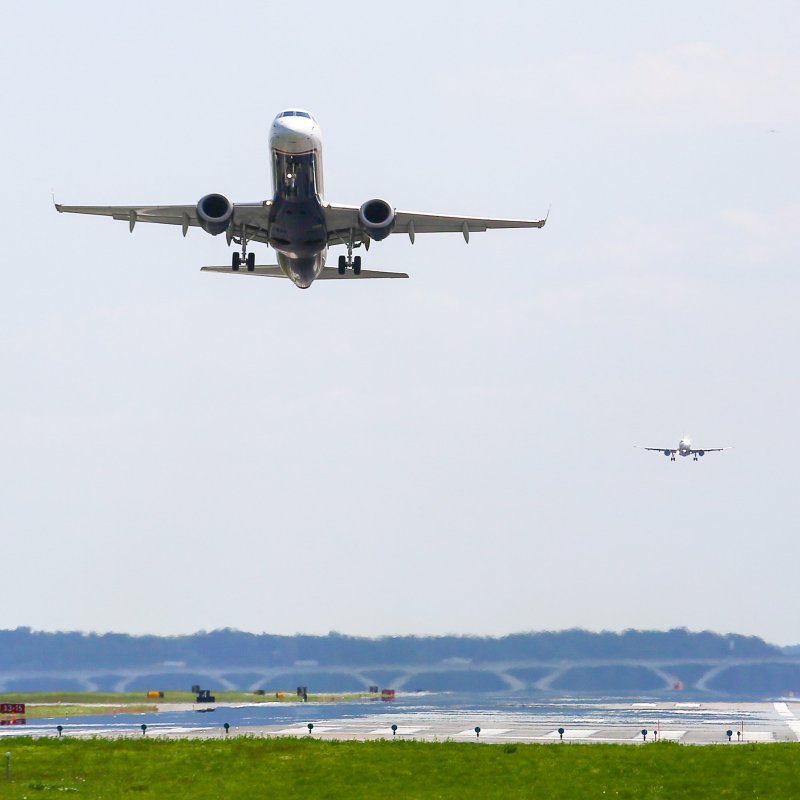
249	259
349	261
244	257
345	262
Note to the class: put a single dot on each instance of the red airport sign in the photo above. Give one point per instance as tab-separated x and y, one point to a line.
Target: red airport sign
13	721
12	708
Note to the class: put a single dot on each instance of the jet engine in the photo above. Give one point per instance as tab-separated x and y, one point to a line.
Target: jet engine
668	452
701	452
214	212
377	219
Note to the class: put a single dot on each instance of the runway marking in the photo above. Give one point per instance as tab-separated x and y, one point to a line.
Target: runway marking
402	730
758	736
571	733
485	732
789	718
666	736
303	730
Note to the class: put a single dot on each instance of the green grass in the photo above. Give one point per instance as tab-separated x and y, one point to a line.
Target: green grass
245	767
66	704
67	710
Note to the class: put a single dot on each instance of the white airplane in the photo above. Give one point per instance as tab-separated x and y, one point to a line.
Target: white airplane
297	222
684	449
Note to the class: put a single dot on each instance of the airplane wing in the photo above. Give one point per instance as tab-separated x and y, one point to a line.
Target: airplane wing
327	274
340	220
254	215
658	449
709	449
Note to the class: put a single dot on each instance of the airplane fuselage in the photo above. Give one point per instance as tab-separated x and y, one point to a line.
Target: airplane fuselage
297	221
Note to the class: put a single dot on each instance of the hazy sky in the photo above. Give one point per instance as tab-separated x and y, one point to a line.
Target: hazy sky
449	454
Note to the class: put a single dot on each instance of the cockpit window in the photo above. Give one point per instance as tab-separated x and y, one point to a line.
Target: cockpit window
295	114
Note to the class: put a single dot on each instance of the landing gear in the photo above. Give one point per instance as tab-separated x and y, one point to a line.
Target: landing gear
244	257
348	261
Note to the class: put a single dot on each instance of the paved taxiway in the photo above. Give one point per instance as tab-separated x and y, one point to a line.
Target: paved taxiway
687	723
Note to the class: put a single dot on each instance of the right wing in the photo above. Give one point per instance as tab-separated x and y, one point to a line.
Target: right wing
672	450
254	215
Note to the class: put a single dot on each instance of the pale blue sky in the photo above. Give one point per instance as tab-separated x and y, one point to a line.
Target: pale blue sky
448	454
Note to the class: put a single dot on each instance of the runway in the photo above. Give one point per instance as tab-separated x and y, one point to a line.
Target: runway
581	722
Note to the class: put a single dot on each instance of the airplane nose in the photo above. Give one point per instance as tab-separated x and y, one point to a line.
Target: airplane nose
293	135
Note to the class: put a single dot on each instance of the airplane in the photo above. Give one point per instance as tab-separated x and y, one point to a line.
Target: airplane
297	222
684	449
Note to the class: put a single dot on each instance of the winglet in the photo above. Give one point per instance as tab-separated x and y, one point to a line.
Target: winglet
57	205
546	217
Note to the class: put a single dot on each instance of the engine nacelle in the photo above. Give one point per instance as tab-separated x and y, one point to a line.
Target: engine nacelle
668	452
701	452
377	219
214	212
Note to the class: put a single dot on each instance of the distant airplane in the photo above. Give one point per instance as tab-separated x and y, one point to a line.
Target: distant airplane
684	449
297	222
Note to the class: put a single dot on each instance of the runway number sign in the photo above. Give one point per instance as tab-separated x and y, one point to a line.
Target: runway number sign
12	708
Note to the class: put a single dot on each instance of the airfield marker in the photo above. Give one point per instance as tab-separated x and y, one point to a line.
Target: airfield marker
561	734
477	732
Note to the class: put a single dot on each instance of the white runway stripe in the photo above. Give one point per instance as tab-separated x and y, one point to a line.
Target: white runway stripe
402	730
789	718
572	733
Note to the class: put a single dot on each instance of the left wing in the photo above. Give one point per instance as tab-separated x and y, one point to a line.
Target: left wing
709	449
341	220
253	215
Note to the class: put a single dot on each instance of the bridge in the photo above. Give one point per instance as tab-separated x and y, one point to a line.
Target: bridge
712	678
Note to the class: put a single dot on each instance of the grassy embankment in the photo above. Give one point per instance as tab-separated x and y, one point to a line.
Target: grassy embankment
70	704
244	767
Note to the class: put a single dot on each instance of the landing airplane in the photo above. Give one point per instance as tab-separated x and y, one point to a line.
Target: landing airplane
297	222
684	449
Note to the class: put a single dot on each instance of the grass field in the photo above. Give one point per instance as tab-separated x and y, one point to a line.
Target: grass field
245	767
71	704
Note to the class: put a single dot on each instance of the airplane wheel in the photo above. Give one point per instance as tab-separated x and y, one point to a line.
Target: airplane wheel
357	265
342	265
236	261
251	262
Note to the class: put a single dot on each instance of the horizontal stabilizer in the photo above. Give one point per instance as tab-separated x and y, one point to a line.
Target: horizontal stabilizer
268	271
332	274
327	274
